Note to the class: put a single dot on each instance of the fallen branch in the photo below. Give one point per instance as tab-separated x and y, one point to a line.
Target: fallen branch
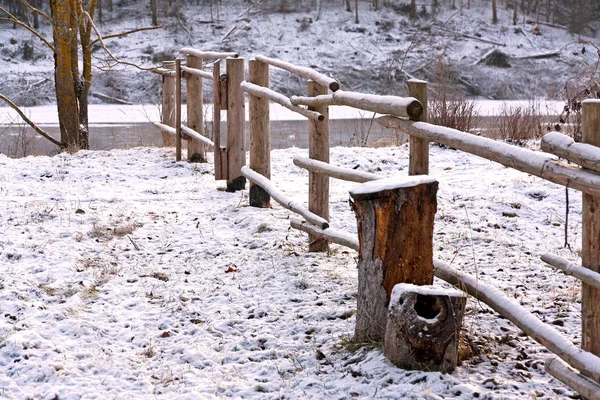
282	199
470	37
407	107
338	237
584	274
544	334
121	34
32	124
109	98
304	72
345	174
539	55
207	54
266	93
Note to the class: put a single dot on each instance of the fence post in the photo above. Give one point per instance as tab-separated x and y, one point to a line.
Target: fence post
236	118
195	103
590	236
318	149
418	162
260	133
178	109
395	232
219	152
168	103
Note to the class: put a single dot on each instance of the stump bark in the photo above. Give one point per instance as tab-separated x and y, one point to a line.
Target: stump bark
423	327
395	231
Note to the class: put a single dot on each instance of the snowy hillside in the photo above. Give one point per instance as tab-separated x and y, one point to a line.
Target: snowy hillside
373	56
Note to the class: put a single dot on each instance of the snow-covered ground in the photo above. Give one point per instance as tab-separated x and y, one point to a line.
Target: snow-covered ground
127	275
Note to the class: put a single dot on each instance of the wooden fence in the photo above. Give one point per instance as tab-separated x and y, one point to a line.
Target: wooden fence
408	115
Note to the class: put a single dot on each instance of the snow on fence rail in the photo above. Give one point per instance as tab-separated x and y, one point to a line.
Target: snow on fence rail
228	94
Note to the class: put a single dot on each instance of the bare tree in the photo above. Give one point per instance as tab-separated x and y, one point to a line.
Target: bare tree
494	12
72	26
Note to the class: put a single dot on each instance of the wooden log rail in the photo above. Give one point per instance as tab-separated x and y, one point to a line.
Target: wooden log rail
535	163
332	171
584	274
165	72
586	155
304	72
265	93
282	199
187	133
407	107
544	334
197	72
560	370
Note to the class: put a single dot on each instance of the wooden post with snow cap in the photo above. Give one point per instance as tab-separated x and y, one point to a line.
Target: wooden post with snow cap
423	327
318	149
195	102
395	231
168	102
236	118
178	109
418	161
590	247
260	133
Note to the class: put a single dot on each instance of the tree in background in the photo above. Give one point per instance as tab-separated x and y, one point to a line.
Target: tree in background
72	24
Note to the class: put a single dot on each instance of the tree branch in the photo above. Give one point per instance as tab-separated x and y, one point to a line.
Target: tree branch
114	35
115	59
37	11
31	123
14	19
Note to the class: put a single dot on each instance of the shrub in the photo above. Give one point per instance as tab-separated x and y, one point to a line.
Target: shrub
518	124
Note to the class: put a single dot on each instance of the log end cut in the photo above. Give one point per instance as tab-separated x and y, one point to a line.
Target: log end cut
423	327
414	110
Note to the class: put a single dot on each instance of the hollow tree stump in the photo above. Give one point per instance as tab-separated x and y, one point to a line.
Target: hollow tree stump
395	231
423	327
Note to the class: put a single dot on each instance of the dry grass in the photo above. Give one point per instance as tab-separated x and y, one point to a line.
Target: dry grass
519	124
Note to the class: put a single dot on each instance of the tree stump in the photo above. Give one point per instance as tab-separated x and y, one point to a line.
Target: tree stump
395	230
423	327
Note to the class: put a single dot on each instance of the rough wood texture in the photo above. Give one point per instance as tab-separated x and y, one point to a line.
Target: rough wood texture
282	199
423	327
211	55
260	133
178	109
560	370
590	237
318	149
395	230
220	154
168	102
266	93
531	162
345	174
584	274
418	158
236	118
407	107
196	150
544	334
586	155
304	72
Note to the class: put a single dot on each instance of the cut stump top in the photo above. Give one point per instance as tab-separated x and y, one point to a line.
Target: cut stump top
382	188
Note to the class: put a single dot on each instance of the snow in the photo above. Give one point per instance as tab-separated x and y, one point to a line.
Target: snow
125	274
396	182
